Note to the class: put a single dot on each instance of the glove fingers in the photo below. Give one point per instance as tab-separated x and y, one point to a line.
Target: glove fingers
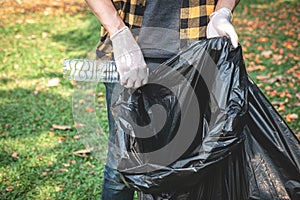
134	78
142	77
230	32
144	73
137	83
211	32
226	31
123	81
129	58
220	25
145	80
126	79
129	84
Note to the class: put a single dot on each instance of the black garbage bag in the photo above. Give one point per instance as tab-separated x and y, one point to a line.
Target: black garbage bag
201	129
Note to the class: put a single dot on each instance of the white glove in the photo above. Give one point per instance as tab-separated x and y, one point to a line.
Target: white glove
129	59
220	25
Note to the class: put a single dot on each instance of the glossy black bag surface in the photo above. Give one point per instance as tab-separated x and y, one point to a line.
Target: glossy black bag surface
201	129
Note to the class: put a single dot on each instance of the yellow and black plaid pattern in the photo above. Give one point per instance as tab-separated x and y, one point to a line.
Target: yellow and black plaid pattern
194	16
131	11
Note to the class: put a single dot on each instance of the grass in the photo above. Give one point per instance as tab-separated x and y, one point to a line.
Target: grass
269	35
36	160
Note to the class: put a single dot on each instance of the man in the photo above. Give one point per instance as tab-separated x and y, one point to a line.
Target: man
185	20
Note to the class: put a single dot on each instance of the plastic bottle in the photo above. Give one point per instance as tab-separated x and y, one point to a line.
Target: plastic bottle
90	70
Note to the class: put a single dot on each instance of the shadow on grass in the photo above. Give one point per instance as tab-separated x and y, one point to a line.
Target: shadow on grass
24	124
4	81
83	39
29	182
40	75
28	114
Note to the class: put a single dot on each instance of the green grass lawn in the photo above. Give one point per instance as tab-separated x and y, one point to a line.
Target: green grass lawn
37	161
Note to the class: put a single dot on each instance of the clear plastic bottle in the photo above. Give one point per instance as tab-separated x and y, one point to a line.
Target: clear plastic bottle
90	70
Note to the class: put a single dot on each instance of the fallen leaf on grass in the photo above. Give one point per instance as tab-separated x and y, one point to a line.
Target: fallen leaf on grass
82	101
298	95
268	88
5	59
66	164
263	77
77	137
292	70
30	21
297	75
51	134
53	82
258	61
100	94
297	104
31	37
44	34
272	93
18	36
61	139
9	188
273	46
82	153
272	80
277	57
62	49
62	170
263	39
281	108
89	110
57	189
15	155
277	103
61	127
285	94
255	67
291	117
288	44
73	162
101	99
43	174
267	54
40	157
4	133
78	125
38	89
89	164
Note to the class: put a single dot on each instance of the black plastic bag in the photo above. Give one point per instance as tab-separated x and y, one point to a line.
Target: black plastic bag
202	130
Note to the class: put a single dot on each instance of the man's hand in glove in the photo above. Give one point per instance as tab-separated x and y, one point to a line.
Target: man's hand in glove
220	25
129	59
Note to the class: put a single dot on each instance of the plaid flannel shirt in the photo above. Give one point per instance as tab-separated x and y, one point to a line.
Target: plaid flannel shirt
194	17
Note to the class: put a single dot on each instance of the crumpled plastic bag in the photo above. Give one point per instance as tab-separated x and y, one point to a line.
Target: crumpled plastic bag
201	129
